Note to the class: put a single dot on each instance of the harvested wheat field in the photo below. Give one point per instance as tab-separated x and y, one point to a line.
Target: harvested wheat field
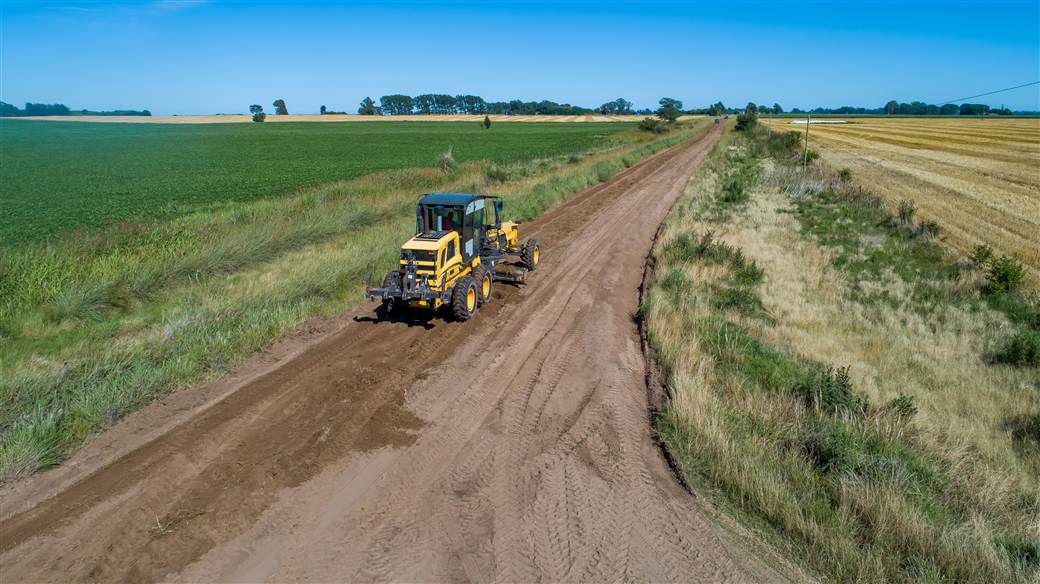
979	178
243	118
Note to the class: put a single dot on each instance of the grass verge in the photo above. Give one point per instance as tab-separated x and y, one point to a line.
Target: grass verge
831	376
96	326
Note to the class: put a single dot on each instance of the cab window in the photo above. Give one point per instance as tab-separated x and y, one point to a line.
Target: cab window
450	255
440	218
490	213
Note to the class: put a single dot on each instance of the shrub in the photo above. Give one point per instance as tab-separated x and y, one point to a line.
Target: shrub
740	299
685	249
746	122
259	117
981	255
654	125
903	406
497	173
831	447
447	161
907	210
747	273
830	390
1005	274
574	159
603	171
929	229
733	190
1022	350
845	175
675	280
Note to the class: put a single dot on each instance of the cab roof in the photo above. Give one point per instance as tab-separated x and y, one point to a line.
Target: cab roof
451	199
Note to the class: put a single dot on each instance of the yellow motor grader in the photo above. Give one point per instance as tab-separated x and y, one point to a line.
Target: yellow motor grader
459	241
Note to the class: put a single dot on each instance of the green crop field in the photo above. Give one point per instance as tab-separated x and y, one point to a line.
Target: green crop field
58	176
194	246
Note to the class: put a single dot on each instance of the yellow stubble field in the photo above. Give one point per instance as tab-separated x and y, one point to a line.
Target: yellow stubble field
979	178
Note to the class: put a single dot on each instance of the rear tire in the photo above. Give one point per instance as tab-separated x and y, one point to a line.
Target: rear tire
464	299
530	254
485	284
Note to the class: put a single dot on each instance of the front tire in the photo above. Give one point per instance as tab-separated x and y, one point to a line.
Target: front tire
464	299
530	254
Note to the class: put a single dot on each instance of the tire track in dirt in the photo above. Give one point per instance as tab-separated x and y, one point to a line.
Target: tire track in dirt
513	447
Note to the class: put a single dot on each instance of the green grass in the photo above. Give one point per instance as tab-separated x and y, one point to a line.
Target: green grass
96	325
58	176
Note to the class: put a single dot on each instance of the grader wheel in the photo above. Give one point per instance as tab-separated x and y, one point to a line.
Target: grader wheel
530	254
485	284
464	299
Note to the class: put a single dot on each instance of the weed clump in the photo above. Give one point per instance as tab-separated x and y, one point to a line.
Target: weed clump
447	162
1022	350
907	209
496	173
830	390
981	255
902	406
929	229
1005	274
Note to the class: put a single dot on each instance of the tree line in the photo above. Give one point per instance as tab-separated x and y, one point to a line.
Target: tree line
441	104
59	109
444	104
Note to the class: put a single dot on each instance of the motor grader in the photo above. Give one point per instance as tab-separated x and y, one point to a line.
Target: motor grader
452	260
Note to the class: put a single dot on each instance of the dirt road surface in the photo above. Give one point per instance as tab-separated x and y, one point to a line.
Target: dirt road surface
515	447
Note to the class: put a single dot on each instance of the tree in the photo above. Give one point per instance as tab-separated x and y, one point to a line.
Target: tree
751	108
487	123
949	109
777	109
891	107
45	109
470	104
973	109
258	112
323	110
424	104
279	108
716	109
670	109
396	105
618	107
368	108
7	110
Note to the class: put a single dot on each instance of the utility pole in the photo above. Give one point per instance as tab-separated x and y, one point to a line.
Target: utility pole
805	155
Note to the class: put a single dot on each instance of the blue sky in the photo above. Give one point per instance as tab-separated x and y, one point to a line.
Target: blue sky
201	57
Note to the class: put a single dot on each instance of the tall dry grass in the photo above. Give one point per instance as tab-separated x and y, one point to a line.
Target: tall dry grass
915	468
979	178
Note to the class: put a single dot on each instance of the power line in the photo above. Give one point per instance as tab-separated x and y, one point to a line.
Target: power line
990	92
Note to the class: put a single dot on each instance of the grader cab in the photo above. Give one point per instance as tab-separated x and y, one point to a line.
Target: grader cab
453	258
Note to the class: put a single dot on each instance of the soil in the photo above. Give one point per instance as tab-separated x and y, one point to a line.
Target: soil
513	447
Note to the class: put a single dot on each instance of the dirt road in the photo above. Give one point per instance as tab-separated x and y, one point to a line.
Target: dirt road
514	447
